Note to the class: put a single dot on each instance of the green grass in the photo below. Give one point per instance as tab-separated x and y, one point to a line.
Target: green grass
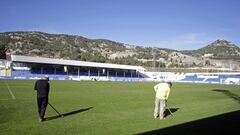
108	108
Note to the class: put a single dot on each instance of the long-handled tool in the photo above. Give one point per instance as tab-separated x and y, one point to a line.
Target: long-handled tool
56	110
168	109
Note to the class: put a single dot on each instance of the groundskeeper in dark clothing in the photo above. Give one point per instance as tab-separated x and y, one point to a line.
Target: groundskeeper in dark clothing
42	87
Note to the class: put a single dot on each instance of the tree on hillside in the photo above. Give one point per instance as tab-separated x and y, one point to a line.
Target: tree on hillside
207	63
3	48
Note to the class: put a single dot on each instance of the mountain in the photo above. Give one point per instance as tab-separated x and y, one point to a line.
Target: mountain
106	51
220	49
76	48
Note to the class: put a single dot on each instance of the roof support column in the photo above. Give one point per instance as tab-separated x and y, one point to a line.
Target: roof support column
78	72
41	70
55	72
89	72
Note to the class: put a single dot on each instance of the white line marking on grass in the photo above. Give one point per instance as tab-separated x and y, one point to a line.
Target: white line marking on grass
10	91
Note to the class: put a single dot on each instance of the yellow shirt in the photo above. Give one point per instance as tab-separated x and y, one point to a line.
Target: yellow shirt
162	90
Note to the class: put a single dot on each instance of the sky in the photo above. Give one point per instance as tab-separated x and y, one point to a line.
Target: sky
174	24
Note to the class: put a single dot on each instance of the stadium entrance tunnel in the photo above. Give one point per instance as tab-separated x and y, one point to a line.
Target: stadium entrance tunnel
225	123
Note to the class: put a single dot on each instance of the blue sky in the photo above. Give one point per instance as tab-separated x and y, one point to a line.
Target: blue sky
175	24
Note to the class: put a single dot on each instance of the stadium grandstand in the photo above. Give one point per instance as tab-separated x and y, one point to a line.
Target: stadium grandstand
28	67
214	78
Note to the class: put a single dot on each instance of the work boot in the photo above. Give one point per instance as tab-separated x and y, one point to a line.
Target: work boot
41	119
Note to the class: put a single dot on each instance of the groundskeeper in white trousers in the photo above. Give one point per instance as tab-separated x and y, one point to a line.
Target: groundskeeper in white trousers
162	92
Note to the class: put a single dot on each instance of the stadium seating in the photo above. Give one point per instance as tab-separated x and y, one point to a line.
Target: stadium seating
61	75
212	80
192	78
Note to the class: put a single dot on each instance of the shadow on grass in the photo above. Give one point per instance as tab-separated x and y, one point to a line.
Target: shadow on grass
229	94
67	114
168	111
225	123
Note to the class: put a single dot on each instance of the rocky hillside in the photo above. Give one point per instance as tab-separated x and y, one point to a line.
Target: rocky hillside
220	49
106	51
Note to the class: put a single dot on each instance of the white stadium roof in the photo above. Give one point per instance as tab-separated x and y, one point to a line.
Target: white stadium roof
42	60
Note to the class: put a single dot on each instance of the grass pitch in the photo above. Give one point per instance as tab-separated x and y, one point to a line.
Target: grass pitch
113	108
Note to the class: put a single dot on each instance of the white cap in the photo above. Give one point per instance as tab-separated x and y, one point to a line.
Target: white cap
46	77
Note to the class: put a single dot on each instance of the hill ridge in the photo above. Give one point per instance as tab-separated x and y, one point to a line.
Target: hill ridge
36	43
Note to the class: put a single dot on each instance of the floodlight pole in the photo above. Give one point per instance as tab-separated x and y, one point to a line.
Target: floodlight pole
154	59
